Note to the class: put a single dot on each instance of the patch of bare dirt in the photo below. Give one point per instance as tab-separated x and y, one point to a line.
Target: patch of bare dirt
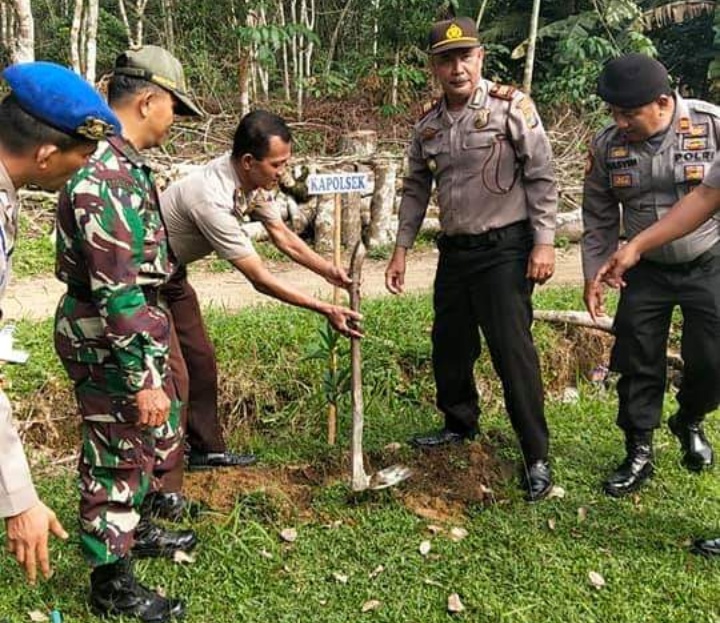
444	483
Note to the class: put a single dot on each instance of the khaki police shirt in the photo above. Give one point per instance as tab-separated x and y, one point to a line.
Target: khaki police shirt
203	212
492	165
17	493
712	179
640	182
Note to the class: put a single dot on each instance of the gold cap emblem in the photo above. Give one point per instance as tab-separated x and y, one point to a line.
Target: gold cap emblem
454	32
95	129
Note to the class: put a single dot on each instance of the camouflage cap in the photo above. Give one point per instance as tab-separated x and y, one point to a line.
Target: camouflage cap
453	34
157	65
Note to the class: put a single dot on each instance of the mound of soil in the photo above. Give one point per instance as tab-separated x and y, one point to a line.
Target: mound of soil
444	484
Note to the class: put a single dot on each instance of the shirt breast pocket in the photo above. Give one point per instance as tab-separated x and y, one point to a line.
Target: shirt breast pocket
434	146
491	156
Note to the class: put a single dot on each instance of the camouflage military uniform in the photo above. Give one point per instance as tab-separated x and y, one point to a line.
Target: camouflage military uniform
113	338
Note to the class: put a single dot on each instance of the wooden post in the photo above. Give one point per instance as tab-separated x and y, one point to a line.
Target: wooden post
337	260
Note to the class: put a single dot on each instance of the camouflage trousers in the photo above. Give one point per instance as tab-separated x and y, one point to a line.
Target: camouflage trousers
120	462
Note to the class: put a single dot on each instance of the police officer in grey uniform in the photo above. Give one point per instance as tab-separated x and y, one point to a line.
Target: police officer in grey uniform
484	147
659	149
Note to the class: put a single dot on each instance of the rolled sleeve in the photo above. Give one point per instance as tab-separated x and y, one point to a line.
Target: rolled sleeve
17	493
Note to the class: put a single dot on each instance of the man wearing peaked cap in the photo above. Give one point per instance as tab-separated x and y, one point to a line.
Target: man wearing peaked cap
485	149
659	148
49	125
117	343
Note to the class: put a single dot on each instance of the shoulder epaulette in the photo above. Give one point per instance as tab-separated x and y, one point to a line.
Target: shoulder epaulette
503	91
428	107
704	107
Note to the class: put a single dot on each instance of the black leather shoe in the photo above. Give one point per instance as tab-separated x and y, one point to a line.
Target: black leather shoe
698	453
632	473
537	481
443	437
170	506
115	591
152	541
198	461
706	547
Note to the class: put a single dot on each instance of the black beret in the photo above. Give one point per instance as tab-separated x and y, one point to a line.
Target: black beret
633	80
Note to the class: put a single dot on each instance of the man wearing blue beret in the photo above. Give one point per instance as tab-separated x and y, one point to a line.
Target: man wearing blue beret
49	126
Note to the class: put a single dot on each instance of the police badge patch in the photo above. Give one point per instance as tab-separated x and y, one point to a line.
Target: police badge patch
481	118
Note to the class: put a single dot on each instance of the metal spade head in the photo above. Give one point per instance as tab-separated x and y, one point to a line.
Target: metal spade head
389	477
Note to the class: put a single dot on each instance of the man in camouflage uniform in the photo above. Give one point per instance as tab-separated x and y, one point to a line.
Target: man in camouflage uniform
49	126
660	147
115	338
486	150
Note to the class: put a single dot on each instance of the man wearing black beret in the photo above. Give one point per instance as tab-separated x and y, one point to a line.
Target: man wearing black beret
659	149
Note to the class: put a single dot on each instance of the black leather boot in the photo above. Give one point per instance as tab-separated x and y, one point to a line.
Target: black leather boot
637	467
152	541
537	481
159	505
697	451
443	437
114	590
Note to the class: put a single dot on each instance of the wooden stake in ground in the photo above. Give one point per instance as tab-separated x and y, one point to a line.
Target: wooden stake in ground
360	479
336	184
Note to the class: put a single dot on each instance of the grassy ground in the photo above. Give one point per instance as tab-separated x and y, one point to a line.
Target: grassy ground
519	562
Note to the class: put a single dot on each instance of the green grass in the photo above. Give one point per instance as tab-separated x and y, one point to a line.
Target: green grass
512	567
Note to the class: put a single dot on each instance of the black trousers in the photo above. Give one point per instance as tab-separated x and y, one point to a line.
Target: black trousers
642	325
481	282
204	432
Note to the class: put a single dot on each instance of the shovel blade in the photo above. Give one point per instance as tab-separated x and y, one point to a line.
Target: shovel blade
389	477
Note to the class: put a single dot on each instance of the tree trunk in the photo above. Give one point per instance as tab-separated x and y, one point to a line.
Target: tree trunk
285	64
362	145
169	25
530	58
396	71
334	37
382	230
75	55
91	27
23	50
324	219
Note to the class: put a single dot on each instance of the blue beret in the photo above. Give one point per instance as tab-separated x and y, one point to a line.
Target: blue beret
62	99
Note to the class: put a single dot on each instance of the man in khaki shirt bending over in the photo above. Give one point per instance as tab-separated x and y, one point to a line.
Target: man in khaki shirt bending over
203	214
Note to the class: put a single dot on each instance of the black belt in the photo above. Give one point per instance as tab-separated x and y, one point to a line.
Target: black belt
84	295
490	237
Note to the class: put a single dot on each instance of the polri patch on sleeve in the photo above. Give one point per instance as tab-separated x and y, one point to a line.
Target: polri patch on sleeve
527	109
